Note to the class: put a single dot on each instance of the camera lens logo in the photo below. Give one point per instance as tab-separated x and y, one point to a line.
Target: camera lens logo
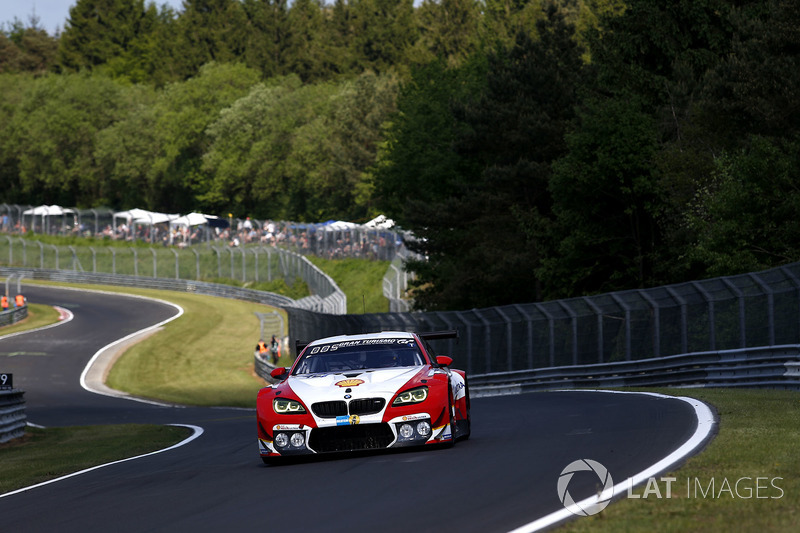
588	506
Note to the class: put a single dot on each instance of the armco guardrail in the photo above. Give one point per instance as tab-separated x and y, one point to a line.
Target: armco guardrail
13	315
333	300
769	366
12	414
188	265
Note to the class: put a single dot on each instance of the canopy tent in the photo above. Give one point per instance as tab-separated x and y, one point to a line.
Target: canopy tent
380	222
47	211
142	216
338	225
192	219
155	218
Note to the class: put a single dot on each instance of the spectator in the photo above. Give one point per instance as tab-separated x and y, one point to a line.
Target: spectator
261	348
274	349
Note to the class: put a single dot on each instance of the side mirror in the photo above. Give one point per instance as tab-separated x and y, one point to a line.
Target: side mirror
443	360
279	372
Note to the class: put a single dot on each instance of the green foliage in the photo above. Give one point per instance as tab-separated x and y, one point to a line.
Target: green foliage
99	30
155	154
605	192
26	49
448	29
52	135
481	225
742	218
456	118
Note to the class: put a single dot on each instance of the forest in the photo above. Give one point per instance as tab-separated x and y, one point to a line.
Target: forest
537	149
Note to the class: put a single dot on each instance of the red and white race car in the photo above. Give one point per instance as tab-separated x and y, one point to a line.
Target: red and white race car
363	392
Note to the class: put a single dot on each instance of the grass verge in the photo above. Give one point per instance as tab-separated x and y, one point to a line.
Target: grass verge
759	431
38	316
204	358
360	280
44	454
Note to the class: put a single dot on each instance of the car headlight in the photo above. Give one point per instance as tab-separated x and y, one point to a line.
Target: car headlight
283	406
410	396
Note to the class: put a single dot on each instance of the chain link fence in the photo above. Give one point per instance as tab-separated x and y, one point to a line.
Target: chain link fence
749	310
203	262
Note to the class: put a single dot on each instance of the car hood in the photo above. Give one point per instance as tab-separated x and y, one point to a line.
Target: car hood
375	382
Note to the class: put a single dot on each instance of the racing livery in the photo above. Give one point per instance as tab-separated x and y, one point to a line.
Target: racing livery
363	392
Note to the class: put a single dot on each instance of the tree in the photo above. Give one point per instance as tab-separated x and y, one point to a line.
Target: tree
481	230
209	31
97	31
605	193
308	49
383	31
447	29
27	48
53	134
157	149
246	166
742	218
267	32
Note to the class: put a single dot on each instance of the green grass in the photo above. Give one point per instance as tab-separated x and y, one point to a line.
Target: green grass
759	434
38	316
205	357
360	280
44	454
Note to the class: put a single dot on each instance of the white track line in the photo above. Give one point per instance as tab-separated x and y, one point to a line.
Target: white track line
196	432
65	315
109	348
705	427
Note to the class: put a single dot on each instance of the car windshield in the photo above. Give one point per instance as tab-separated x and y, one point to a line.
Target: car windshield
359	355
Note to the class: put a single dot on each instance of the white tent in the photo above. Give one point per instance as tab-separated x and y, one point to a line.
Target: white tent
155	218
47	211
192	219
130	216
339	225
380	222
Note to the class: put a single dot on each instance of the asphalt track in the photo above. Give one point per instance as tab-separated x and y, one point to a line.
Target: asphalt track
503	478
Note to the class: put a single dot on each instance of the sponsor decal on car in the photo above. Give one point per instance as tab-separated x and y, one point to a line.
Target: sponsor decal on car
323	348
349	383
409	418
287	427
351	420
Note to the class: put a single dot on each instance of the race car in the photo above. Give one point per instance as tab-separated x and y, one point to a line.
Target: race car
363	392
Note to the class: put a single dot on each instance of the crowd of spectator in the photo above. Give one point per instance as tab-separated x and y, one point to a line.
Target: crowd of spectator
332	240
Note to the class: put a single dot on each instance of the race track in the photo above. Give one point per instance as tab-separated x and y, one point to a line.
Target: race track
504	477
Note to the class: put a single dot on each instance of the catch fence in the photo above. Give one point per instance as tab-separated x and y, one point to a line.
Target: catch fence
715	315
199	264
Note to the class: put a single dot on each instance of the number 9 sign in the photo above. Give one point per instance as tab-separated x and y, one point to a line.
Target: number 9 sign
6	381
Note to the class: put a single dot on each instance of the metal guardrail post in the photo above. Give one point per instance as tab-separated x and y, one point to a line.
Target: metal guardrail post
551	326
770	305
600	338
155	263
684	318
656	322
712	333
740	297
625	307
574	319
